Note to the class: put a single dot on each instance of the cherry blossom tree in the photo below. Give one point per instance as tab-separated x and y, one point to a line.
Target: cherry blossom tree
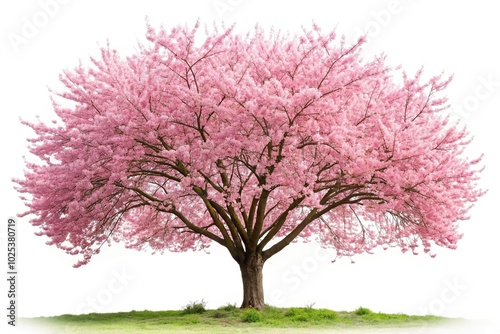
250	141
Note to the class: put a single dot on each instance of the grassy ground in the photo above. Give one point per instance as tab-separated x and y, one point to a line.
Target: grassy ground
230	319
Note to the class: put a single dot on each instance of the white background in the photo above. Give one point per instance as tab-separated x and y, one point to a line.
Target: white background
459	38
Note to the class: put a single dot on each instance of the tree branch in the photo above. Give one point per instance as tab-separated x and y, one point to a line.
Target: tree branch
278	223
291	236
259	220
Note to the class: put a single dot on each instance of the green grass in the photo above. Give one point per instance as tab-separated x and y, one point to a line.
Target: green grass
195	307
228	319
362	311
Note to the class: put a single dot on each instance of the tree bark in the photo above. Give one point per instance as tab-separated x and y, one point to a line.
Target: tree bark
253	289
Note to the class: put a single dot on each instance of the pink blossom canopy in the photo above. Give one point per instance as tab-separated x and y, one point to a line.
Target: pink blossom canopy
250	141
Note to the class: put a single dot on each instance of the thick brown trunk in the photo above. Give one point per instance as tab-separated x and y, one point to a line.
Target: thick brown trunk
253	289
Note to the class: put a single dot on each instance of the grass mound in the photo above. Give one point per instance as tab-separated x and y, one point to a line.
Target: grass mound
231	319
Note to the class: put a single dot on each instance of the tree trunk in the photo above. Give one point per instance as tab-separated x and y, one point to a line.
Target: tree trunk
253	289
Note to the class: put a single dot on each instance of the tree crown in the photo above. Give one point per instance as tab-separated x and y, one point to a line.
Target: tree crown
252	142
